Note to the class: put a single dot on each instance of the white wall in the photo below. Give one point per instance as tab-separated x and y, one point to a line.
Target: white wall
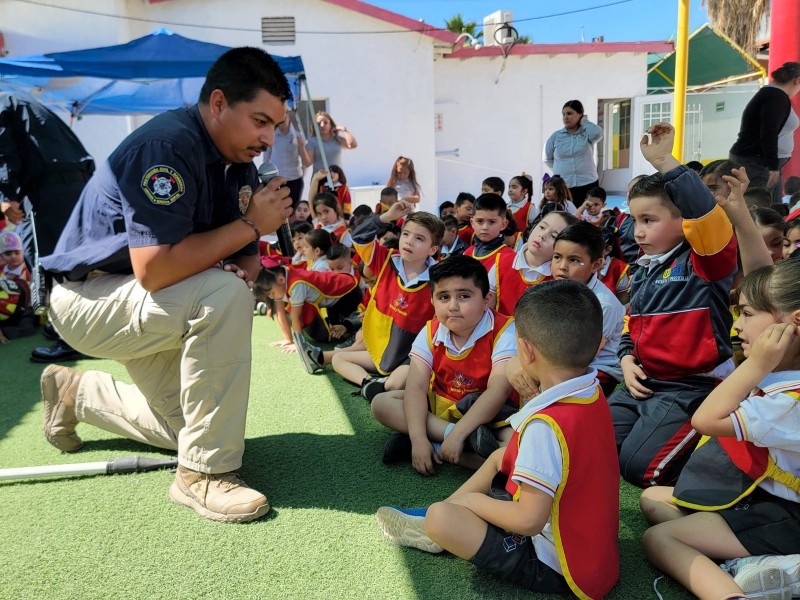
380	86
500	126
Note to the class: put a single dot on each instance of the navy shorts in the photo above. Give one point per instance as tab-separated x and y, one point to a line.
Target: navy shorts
765	524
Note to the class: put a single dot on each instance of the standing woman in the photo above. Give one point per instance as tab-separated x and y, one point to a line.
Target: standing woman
763	121
569	152
403	178
334	138
290	155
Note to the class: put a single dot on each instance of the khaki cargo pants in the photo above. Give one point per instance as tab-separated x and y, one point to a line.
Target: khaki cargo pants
187	350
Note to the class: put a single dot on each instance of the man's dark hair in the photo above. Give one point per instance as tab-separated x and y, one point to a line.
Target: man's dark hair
495	183
450	222
464	197
462	266
564	320
301	227
586	235
243	72
490	202
653	187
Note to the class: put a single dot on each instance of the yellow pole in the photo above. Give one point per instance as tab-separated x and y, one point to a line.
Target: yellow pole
681	68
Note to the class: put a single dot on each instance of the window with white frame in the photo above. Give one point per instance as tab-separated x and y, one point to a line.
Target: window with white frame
656	112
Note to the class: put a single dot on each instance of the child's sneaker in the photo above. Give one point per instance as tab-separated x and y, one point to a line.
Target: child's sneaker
483	442
373	386
406	527
397	449
767	577
346	343
309	354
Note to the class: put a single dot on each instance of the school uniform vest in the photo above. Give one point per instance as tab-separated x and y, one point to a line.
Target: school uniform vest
327	283
488	260
465	233
521	216
339	231
396	313
585	511
616	271
454	377
722	471
511	283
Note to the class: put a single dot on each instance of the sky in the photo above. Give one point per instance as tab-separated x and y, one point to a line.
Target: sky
544	21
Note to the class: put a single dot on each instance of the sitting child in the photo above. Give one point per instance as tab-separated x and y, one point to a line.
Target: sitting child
591	210
542	513
456	382
387	200
299	231
12	261
302	212
677	344
791	238
488	222
556	196
512	274
744	480
452	245
319	184
464	204
520	193
329	218
615	273
447	209
316	244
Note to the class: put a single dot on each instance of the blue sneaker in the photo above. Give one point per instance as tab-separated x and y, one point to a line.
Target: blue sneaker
406	527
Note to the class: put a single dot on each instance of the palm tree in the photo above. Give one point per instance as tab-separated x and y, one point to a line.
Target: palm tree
740	20
456	24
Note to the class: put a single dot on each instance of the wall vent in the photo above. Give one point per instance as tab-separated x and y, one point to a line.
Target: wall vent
277	31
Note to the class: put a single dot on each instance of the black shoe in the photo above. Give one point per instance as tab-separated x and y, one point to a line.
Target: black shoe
372	387
483	442
58	352
50	333
397	449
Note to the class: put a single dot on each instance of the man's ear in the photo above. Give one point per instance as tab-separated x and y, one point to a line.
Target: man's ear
217	102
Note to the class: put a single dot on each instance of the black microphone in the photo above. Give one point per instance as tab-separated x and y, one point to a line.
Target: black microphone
266	173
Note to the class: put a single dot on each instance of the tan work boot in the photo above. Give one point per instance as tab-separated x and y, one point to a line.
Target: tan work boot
219	497
59	389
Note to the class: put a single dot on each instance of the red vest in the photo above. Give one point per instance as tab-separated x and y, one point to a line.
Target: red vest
339	231
327	283
394	316
616	271
455	377
465	233
521	216
489	259
511	284
585	511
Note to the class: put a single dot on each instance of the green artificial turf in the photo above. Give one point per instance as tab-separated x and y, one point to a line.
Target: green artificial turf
311	447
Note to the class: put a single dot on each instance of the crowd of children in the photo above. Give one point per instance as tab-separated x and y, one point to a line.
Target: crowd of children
551	348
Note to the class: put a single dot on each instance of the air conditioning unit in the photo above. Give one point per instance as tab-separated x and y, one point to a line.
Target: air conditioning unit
496	28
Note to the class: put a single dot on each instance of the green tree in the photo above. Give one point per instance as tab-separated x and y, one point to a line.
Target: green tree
456	24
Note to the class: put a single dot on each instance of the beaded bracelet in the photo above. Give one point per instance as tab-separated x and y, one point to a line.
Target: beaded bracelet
253	225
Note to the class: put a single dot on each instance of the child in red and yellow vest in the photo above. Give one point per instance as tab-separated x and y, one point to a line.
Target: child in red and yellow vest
456	384
542	513
512	274
464	204
488	222
520	192
616	273
738	497
400	303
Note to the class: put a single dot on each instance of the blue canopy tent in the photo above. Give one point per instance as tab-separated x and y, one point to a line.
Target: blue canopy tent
150	74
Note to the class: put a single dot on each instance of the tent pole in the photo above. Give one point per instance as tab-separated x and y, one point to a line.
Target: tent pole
317	133
681	68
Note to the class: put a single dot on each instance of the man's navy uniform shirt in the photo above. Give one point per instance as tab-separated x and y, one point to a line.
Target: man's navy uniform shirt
165	181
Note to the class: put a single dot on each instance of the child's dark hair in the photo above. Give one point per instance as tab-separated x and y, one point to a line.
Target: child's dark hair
388	191
758	197
790	225
450	223
337	251
327	199
444	206
462	266
495	184
564	320
300	227
791	185
362	211
464	197
492	203
586	235
695	165
774	288
265	279
525	182
719	168
780	208
430	222
511	228
766	217
321	239
610	239
653	186
597	192
392	244
562	190
338	170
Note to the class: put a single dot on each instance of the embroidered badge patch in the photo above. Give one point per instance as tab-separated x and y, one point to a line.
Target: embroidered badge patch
163	185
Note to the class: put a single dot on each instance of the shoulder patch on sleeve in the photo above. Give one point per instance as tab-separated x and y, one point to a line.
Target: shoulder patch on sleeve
163	185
